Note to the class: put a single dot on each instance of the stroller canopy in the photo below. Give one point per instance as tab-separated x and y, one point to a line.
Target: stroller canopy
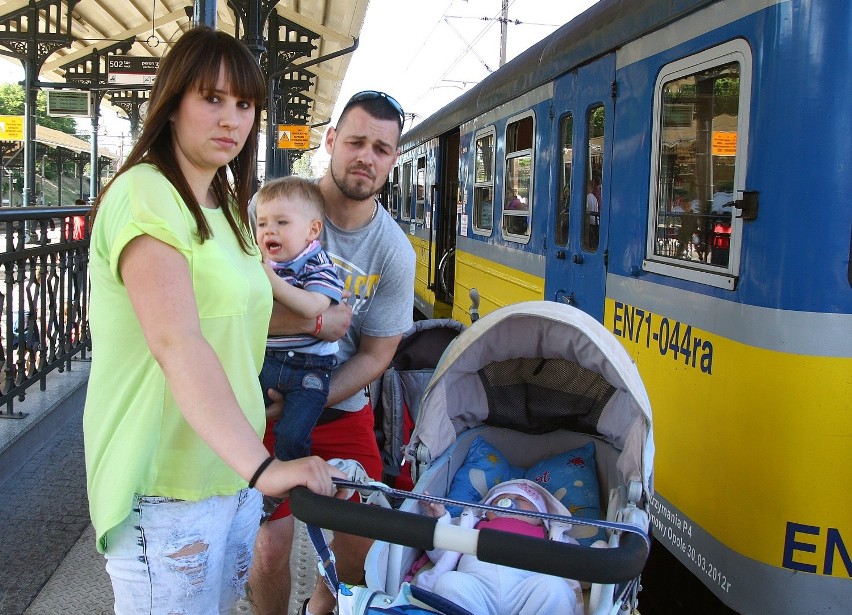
556	366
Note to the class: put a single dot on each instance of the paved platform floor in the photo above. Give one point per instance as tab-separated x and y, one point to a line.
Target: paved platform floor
48	561
81	585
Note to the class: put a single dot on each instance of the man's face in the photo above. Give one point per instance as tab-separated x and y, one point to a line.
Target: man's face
363	150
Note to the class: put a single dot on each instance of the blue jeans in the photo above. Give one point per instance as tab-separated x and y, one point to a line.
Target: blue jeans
303	381
175	556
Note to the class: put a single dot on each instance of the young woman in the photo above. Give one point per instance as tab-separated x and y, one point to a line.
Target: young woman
180	307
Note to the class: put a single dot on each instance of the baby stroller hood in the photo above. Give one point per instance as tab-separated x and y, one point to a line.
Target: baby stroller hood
455	398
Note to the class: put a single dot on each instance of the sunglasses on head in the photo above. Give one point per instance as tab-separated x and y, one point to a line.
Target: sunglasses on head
373	95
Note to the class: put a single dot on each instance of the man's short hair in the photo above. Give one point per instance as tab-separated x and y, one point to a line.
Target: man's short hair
378	105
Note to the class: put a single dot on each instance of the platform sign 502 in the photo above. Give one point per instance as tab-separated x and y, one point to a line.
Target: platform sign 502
128	70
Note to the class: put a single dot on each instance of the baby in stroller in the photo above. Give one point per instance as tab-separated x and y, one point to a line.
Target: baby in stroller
483	587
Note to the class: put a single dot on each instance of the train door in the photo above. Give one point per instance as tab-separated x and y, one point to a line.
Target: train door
578	221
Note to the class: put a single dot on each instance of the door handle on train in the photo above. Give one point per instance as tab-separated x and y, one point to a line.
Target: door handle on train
560	255
563	298
578	259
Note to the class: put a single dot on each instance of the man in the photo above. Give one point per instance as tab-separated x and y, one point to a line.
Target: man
376	263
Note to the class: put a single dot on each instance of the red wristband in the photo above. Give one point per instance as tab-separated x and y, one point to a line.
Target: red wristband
319	325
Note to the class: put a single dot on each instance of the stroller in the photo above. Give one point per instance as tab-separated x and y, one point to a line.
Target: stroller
538	389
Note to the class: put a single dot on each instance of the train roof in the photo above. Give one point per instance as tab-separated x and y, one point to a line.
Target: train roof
604	27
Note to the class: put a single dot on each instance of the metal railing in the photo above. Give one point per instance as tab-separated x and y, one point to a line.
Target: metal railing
44	299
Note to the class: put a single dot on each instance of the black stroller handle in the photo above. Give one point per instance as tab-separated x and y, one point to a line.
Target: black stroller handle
613	565
376	522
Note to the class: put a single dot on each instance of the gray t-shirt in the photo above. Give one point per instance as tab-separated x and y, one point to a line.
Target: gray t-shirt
376	264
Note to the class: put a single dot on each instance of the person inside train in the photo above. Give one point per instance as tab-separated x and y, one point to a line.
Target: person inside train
515	201
485	208
377	262
593	217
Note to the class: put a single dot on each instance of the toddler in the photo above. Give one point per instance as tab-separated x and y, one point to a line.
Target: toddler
303	277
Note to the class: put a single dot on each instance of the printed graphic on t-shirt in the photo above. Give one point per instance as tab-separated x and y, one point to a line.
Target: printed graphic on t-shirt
361	284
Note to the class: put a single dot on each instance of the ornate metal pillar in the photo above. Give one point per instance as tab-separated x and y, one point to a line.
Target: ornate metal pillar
131	101
32	33
252	16
286	84
204	13
285	41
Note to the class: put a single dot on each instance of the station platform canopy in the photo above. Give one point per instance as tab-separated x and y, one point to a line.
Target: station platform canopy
305	45
56	139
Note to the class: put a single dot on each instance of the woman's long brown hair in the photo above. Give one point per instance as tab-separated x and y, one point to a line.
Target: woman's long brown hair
193	64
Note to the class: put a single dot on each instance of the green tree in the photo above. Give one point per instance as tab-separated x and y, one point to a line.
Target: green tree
12	103
302	165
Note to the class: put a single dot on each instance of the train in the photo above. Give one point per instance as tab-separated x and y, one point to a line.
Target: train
680	170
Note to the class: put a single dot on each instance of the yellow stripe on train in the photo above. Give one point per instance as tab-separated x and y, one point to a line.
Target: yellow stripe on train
421	276
715	402
497	285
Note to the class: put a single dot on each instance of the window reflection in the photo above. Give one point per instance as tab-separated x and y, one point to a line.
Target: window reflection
406	191
517	179
594	174
698	147
563	200
483	191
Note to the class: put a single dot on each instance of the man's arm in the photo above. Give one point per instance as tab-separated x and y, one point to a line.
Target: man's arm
373	357
335	321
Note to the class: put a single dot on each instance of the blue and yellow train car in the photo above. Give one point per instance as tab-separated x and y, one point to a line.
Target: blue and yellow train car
679	169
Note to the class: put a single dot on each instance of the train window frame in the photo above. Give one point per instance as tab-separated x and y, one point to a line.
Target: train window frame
483	184
562	199
393	205
407	177
513	159
712	274
420	182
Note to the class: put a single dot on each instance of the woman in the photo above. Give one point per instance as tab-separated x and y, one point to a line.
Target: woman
180	307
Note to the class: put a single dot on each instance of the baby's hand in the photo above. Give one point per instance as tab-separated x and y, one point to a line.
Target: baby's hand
276	408
433	509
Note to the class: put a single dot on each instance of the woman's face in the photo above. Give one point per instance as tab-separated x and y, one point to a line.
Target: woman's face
210	128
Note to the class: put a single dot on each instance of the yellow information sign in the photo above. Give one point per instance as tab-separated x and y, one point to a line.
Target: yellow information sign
294	136
724	143
11	127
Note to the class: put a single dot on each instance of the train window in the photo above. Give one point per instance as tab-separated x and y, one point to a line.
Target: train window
405	207
594	174
420	201
394	196
699	134
483	186
518	180
563	199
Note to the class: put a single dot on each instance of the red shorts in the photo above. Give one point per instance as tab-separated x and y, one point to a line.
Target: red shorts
349	436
